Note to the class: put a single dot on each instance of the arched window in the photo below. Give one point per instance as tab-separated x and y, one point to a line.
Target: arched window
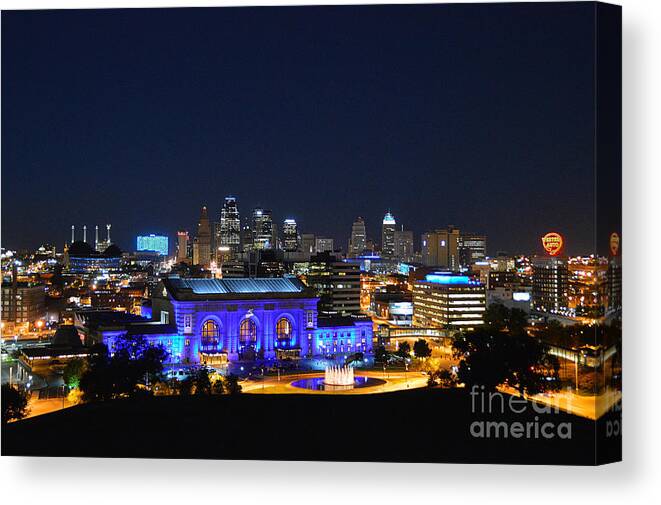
210	335
247	332
283	329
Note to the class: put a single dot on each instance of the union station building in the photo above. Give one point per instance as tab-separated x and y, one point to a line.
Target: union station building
213	321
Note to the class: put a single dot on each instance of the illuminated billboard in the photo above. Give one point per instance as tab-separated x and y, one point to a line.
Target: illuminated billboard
552	243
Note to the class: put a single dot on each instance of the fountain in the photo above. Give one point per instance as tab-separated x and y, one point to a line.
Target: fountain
339	376
337	379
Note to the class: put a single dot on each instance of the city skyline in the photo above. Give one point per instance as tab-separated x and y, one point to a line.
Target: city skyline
185	120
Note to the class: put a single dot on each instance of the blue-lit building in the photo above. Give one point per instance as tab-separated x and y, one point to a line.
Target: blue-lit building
448	300
81	258
218	320
151	242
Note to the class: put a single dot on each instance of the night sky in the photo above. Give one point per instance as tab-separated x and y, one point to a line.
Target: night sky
479	116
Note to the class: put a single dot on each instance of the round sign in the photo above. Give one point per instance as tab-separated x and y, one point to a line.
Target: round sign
552	243
615	243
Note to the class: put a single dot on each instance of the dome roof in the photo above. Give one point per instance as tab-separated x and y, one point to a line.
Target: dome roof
66	336
112	251
80	249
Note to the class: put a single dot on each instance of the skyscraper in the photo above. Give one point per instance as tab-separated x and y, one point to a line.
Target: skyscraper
472	247
262	228
323	244
230	226
358	241
441	248
182	246
290	231
203	241
388	236
550	276
403	245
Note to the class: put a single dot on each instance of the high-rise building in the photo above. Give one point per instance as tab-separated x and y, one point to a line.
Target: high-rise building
229	233
336	282
448	300
323	244
152	242
202	243
308	243
358	241
388	229
440	248
290	231
472	247
262	229
247	238
403	245
550	284
23	303
182	246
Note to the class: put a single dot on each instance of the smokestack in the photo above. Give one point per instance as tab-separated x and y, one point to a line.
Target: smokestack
85	233
108	238
73	234
96	237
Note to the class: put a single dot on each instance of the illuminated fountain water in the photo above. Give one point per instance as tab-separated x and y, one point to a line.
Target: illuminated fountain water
339	376
337	379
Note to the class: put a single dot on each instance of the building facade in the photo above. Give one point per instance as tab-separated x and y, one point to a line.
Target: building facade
404	245
262	229
216	320
23	304
550	285
388	228
182	246
448	300
290	232
358	240
440	248
336	282
472	247
230	226
152	242
202	243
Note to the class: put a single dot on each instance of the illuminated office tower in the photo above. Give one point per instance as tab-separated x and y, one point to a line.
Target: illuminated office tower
230	226
448	300
262	229
182	246
441	248
155	243
246	238
290	231
388	236
358	241
550	284
403	245
202	243
472	247
336	282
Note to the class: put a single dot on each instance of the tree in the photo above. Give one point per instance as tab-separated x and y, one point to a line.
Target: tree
134	361
490	357
421	348
218	387
73	372
381	355
232	385
202	382
498	317
404	350
14	403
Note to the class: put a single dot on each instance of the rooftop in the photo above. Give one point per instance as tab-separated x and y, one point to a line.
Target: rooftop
201	289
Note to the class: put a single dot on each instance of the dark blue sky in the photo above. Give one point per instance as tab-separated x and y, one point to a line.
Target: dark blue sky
479	116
